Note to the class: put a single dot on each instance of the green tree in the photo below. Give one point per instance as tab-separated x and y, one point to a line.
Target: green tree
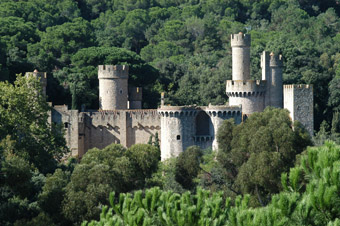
15	35
52	195
101	171
309	197
256	152
24	118
59	43
145	159
188	166
81	78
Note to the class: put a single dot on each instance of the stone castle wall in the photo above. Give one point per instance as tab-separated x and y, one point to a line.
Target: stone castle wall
184	126
298	99
86	130
69	120
178	128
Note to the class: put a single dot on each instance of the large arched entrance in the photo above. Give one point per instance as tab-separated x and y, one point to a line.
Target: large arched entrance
203	122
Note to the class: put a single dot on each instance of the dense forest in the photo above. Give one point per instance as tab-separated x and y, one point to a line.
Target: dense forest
181	47
262	174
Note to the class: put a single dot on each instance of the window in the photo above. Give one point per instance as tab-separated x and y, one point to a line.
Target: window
66	125
178	137
121	91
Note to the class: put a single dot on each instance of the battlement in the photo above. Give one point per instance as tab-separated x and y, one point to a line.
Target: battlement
240	40
113	71
178	111
222	110
246	86
275	60
298	86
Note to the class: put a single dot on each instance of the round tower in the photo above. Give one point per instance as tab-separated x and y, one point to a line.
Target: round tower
220	113
113	86
276	84
178	129
249	94
240	44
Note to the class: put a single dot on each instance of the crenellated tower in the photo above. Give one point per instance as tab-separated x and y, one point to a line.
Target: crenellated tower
247	93
250	94
217	115
113	86
178	129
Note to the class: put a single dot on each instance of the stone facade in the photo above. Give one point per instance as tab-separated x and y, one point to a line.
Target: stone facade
113	86
254	95
121	119
298	99
185	126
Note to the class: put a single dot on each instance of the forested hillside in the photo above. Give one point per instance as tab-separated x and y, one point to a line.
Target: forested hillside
181	47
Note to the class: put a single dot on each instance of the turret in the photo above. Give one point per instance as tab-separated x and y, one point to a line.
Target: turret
249	94
178	129
276	89
240	44
113	86
217	115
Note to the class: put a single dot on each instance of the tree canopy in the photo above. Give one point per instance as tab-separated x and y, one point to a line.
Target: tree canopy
310	197
256	152
183	47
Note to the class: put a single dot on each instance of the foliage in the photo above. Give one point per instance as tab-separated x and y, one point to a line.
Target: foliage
310	197
24	121
29	149
186	42
188	166
101	171
82	78
256	152
52	195
157	207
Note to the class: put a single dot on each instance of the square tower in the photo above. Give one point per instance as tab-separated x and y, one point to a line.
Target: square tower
298	99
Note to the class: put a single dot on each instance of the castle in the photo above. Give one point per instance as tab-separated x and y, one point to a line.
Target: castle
121	119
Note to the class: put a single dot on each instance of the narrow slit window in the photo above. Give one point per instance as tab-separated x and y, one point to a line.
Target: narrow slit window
178	137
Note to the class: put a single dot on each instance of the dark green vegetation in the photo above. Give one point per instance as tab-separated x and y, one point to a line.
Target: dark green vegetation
38	189
180	47
310	196
256	152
